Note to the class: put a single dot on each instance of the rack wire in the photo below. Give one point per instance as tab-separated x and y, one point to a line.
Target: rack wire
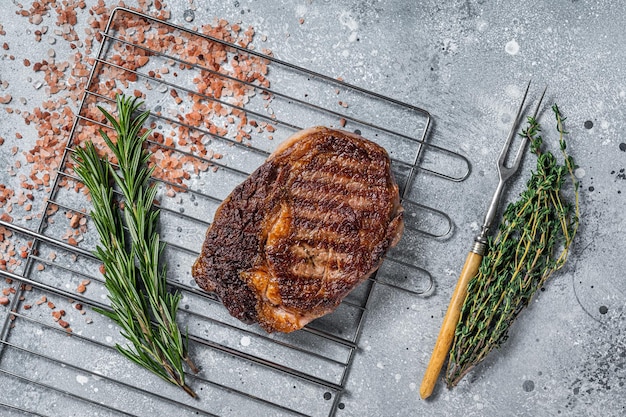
243	369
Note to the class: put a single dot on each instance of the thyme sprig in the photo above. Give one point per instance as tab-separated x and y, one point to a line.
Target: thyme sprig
533	241
134	276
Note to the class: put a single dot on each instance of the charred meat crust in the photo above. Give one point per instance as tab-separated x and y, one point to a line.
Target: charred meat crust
302	231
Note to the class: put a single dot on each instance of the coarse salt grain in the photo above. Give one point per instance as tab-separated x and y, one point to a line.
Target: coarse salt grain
53	118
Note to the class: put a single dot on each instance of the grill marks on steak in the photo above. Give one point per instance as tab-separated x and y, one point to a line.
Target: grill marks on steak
303	230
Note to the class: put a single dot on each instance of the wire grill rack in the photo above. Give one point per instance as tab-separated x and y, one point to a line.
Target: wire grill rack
243	369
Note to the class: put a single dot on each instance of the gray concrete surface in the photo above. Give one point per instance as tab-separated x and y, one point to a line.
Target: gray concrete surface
467	63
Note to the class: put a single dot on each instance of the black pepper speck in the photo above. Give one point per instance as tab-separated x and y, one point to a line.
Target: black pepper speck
588	124
189	15
603	309
622	147
528	385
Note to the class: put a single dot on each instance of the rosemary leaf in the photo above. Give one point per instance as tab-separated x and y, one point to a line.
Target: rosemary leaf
134	276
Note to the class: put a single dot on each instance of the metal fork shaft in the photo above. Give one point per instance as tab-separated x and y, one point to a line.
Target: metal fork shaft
504	172
470	268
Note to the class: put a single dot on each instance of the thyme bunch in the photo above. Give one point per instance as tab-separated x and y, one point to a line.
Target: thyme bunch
532	242
140	302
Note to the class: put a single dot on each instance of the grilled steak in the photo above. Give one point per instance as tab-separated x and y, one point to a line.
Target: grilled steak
303	230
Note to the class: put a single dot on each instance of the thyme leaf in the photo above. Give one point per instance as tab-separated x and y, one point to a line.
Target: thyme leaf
533	242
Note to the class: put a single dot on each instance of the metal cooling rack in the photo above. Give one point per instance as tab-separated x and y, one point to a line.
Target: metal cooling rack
243	370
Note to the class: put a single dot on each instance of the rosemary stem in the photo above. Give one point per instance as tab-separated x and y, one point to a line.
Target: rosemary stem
140	302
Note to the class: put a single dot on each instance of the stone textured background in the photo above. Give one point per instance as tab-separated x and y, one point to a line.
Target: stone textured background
467	63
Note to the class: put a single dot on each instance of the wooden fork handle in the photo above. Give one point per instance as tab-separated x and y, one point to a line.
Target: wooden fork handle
450	321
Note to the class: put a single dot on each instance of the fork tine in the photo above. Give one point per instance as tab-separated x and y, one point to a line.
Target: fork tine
539	103
520	151
509	139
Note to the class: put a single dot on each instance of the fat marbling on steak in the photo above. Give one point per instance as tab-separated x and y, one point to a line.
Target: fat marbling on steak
303	230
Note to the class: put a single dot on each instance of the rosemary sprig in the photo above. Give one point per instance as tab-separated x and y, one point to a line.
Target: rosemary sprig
140	302
533	242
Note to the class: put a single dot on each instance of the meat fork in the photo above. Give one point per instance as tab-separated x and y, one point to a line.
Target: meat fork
474	258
